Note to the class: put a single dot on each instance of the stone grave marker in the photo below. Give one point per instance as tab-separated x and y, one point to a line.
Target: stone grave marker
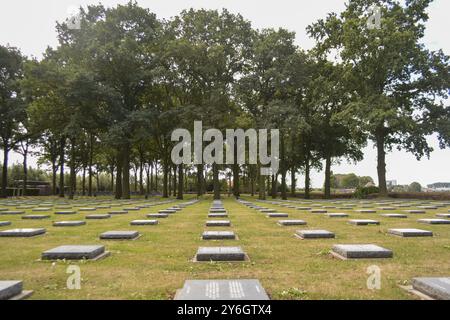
314	234
220	254
239	289
218	223
13	290
218	235
407	233
434	221
360	251
71	252
435	288
291	222
120	235
143	222
98	216
363	222
25	232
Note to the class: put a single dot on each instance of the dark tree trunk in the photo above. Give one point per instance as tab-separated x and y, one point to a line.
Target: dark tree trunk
216	181
165	179
126	172
236	172
112	179
25	171
293	182
261	184
91	157
328	177
118	193
156	176
61	166
5	171
151	177
307	180
147	186
72	170
273	189
200	190
54	173
83	182
180	182
381	162
174	181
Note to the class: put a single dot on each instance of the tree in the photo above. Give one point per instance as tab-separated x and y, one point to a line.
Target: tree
12	106
399	85
415	187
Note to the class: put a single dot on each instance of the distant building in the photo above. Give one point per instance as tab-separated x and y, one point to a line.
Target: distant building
439	186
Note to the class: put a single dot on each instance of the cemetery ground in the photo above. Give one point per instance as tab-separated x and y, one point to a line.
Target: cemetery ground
158	263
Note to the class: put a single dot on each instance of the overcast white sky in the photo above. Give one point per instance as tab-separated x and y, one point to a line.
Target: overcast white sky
30	26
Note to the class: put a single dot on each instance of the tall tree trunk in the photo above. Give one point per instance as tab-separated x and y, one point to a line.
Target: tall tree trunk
72	170
112	179
83	181
147	171
216	182
273	186
5	171
381	161
118	193
156	176
180	182
54	173
152	187
200	190
261	183
236	170
126	172
307	180
165	179
174	181
91	157
293	182
61	166
252	179
327	177
25	170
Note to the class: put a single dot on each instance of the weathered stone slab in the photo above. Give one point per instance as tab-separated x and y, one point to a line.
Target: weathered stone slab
318	211
410	232
394	215
303	208
131	209
26	232
36	216
435	288
87	209
266	210
13	290
277	215
98	216
66	212
217	210
314	234
366	211
217	215
220	254
119	235
386	208
222	290
12	212
143	222
363	222
218	235
443	215
337	215
69	223
218	223
415	211
71	252
291	222
428	207
157	215
361	251
5	223
434	221
167	211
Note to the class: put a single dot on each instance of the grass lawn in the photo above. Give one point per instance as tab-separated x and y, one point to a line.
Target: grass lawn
158	263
